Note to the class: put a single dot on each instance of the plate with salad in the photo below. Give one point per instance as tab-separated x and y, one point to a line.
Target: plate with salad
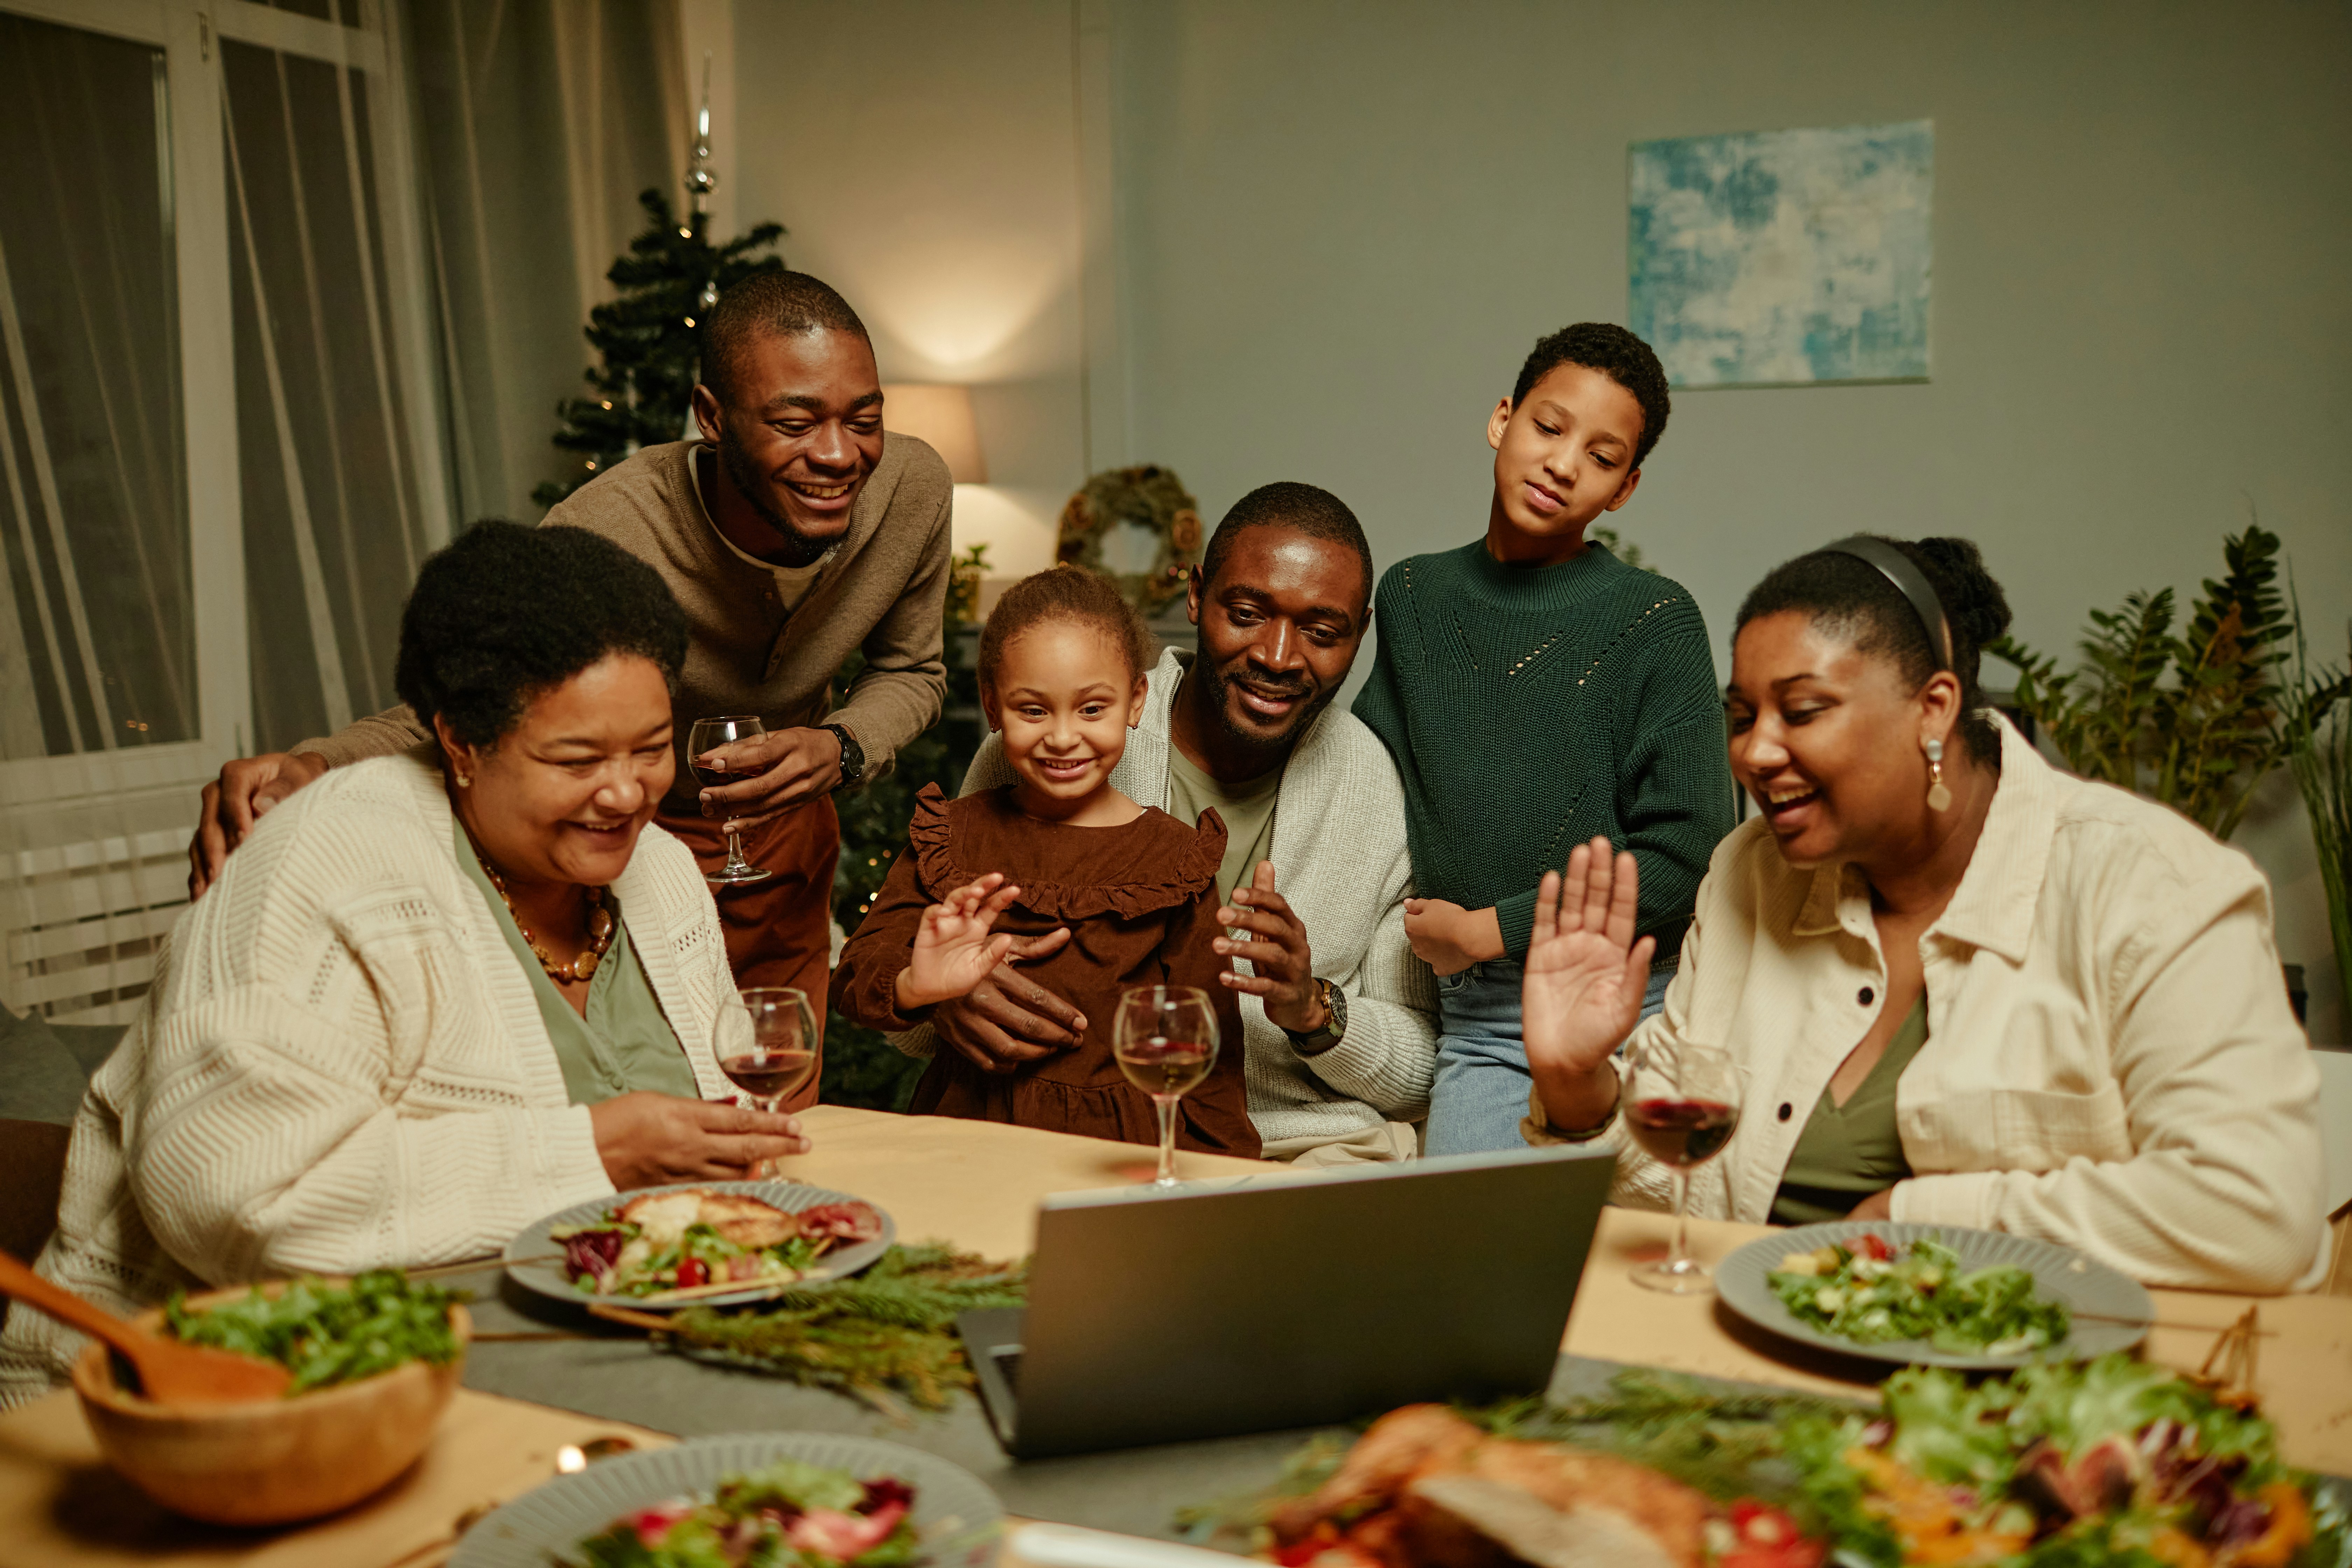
1933	1295
767	1499
708	1244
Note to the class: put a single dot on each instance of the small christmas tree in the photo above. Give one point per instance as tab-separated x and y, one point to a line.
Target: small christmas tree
645	339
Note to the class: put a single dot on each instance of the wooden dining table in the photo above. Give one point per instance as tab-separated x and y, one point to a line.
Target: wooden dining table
977	1186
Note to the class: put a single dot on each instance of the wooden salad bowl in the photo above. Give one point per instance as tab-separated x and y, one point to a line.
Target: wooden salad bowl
273	1461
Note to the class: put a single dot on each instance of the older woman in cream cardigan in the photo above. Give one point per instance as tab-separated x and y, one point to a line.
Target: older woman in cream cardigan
435	995
1962	988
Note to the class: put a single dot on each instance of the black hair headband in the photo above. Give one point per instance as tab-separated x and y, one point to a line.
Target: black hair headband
1900	570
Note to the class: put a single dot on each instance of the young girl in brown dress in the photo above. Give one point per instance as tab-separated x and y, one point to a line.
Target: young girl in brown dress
1062	664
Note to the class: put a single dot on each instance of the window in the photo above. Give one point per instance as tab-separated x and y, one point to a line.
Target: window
219	458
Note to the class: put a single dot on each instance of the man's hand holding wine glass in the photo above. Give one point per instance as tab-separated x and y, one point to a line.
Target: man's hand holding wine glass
1585	977
953	950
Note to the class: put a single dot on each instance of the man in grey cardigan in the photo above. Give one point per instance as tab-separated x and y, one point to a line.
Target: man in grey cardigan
1340	1031
792	533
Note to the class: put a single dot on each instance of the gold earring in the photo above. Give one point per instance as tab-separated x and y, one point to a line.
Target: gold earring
1939	798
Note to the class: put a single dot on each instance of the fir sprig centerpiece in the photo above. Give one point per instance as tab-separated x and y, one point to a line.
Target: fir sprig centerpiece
885	1336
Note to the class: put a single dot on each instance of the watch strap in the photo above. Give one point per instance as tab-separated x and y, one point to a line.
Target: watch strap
853	757
1324	1038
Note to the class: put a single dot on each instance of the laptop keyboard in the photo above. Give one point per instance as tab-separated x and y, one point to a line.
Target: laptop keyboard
1008	1363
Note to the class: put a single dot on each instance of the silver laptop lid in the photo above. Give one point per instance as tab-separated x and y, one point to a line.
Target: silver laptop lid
1300	1299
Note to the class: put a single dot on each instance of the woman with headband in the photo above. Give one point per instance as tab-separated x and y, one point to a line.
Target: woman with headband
1962	988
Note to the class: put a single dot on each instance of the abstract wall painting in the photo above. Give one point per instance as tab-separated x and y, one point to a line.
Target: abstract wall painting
1784	258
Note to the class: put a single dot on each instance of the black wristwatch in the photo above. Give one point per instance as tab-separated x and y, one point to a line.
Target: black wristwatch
853	757
1335	1023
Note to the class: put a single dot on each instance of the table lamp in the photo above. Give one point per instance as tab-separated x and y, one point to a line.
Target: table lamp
941	415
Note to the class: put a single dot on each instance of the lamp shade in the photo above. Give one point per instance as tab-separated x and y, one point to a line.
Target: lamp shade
942	416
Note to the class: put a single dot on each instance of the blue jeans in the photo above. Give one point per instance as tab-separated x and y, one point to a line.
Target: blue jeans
1483	1080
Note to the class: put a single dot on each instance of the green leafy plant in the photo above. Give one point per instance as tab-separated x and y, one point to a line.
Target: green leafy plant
2319	754
2194	719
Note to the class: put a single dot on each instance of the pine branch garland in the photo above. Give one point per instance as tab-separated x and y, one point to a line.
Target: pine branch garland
885	1336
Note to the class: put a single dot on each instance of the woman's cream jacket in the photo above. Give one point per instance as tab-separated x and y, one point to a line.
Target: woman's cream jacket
341	1064
2111	1062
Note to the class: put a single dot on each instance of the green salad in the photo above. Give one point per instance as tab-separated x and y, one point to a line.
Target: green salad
328	1335
1866	1290
785	1515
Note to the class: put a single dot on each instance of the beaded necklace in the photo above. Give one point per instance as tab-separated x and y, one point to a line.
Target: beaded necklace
601	926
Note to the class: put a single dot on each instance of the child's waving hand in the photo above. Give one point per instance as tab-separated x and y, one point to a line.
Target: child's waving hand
954	952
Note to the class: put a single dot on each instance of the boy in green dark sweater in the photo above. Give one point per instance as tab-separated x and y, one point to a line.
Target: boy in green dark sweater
1537	692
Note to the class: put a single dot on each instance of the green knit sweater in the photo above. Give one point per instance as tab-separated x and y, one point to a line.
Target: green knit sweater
1529	709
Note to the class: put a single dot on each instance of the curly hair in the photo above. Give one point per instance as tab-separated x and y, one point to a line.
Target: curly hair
1850	596
1067	593
767	304
1313	511
1616	354
508	612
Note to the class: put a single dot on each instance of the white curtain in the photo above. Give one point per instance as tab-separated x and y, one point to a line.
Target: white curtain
96	634
538	124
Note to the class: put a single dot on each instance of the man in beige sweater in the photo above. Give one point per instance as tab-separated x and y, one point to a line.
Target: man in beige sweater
793	532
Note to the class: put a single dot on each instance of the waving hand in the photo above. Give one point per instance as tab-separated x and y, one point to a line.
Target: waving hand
1585	974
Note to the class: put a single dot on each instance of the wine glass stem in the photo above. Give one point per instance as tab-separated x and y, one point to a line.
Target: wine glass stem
735	861
764	1170
1167	1107
1681	1259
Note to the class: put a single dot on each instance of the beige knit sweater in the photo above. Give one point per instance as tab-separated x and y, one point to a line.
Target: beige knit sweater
883	591
341	1064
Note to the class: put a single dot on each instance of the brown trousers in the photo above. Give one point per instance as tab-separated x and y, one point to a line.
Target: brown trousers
779	931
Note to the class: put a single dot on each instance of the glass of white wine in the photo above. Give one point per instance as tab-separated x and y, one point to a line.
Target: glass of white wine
765	1040
1165	1038
708	735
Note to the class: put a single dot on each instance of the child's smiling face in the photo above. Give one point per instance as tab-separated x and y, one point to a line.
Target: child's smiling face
1063	699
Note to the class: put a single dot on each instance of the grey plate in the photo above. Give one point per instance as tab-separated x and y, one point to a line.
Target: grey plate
959	1519
548	1279
2059	1272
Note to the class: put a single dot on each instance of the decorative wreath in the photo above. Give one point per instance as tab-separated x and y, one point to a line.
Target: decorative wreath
1149	496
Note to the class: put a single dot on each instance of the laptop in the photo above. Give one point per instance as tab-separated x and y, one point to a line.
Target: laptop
1159	1317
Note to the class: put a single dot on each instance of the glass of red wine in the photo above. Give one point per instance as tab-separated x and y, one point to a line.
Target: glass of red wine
765	1040
707	735
1682	1102
1165	1041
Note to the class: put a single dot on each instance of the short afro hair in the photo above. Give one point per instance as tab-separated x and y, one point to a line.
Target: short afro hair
1616	354
1067	593
769	304
1313	511
1846	594
508	612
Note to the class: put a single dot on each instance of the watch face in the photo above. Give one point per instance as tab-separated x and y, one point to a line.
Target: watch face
1335	1001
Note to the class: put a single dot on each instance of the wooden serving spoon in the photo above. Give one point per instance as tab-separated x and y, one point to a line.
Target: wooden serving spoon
169	1373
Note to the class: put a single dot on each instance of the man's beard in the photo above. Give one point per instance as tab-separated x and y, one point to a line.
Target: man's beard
1221	702
751	485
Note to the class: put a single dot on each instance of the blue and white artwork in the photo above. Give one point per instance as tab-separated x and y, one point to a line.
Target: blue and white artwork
1781	258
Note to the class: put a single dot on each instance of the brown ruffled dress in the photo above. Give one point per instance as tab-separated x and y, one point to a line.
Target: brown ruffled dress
1140	901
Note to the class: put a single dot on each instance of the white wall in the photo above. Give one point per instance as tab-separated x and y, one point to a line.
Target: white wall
922	154
1333	230
1344	225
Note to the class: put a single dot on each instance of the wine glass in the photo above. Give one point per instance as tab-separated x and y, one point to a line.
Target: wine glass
765	1040
1682	1102
1165	1040
708	734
